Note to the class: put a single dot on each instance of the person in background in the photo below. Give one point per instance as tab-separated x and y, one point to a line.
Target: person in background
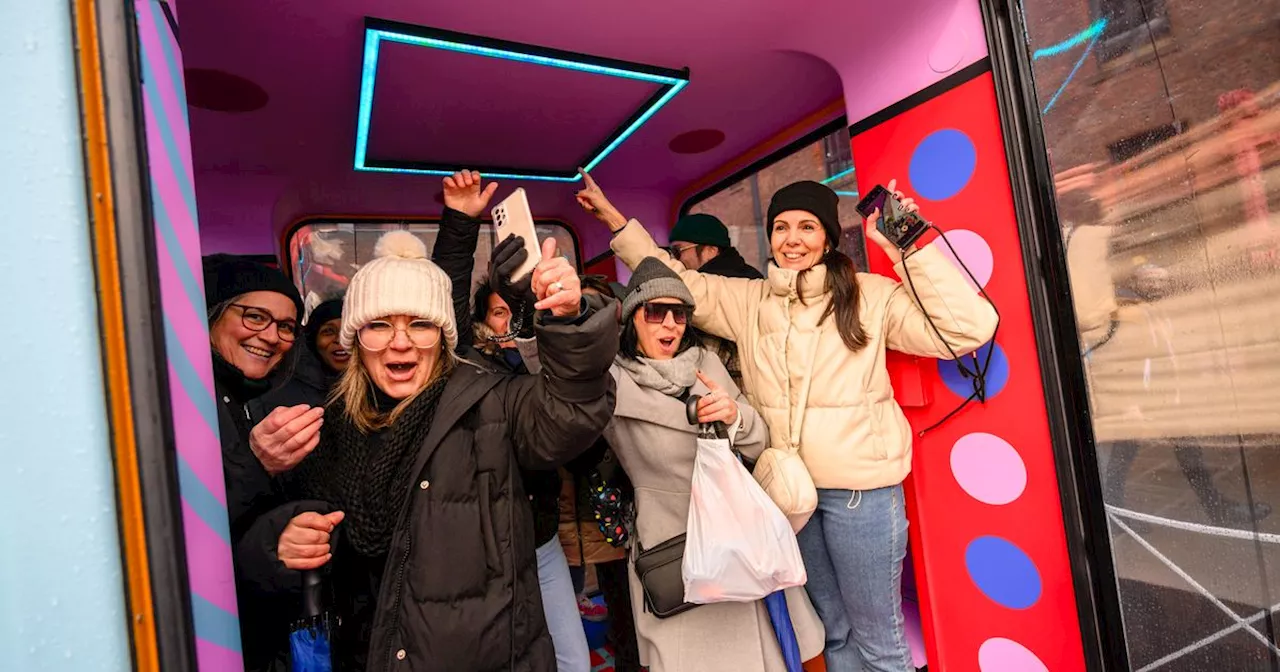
581	534
433	566
659	365
253	329
319	367
701	242
487	335
813	334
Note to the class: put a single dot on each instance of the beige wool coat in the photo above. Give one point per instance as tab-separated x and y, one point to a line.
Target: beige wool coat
656	446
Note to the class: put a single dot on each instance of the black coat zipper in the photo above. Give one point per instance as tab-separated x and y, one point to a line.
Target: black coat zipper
395	603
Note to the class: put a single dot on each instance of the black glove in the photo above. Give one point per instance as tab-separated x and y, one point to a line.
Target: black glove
508	256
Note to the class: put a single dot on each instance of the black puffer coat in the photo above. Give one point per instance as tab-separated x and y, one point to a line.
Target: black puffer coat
251	492
454	253
460	586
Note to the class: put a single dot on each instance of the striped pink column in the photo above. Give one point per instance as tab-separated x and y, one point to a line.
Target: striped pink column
195	418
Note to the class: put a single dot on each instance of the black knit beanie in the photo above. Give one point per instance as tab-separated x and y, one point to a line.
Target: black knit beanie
227	276
329	310
812	197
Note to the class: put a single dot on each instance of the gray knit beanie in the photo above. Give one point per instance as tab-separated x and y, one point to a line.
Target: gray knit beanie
653	280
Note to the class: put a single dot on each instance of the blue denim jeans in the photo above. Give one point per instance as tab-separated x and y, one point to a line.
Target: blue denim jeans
560	604
853	549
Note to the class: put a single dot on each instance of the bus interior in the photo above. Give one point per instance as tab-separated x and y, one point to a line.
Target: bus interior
1093	162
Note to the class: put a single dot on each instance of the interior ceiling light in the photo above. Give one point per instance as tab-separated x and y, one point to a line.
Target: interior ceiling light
377	31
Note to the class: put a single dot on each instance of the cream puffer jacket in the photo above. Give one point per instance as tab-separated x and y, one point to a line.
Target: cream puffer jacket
834	405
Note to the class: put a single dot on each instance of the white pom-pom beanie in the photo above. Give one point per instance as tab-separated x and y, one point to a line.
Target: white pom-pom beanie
399	281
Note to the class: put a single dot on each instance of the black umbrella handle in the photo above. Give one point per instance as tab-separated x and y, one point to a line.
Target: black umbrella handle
312	593
717	428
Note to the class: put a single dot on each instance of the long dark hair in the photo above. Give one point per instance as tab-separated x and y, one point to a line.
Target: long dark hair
842	286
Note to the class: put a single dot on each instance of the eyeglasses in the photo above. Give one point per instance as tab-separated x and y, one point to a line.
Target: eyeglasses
258	319
675	250
656	313
378	334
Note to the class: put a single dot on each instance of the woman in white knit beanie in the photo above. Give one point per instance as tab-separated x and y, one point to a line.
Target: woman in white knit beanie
413	502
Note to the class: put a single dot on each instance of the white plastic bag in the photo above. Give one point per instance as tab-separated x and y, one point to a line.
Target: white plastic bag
739	546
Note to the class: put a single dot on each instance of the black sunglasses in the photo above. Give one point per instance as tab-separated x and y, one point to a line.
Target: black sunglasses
656	313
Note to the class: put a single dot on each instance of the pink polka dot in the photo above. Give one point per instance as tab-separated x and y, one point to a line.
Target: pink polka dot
988	468
1005	655
975	252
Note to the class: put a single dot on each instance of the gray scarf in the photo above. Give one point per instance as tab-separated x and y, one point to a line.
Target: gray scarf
668	376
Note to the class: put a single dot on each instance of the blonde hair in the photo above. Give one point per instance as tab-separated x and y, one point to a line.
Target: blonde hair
355	386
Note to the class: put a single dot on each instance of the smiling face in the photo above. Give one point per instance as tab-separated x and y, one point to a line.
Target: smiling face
660	325
399	352
255	353
798	240
332	354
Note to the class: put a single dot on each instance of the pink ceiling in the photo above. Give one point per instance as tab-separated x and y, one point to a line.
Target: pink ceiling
452	108
756	67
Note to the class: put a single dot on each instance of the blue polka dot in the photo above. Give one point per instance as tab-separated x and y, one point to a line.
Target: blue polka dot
997	372
942	164
1003	572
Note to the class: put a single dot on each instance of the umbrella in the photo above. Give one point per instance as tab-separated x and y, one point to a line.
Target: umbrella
309	640
780	615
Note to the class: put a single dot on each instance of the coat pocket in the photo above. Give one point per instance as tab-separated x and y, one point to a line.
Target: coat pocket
449	555
492	561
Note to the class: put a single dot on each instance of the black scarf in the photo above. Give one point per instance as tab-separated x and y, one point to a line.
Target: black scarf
366	475
239	387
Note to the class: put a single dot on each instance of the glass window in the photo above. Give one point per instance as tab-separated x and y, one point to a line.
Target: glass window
324	254
743	204
1167	170
1132	25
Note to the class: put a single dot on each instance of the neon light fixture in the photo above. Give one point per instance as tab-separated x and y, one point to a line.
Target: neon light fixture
376	31
833	178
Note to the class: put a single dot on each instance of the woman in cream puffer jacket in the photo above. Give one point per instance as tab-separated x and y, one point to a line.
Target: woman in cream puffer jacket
812	338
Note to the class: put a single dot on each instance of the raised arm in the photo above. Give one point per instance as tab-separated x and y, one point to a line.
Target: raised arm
558	414
455	248
934	312
722	303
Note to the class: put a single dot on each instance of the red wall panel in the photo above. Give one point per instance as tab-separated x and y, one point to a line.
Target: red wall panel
986	524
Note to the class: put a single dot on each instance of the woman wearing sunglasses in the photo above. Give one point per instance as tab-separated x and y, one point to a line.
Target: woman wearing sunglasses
253	311
659	365
415	504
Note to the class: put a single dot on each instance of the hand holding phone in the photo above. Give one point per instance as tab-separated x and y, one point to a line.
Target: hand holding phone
512	217
893	216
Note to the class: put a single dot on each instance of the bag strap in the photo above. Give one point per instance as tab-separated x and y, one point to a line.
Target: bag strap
795	420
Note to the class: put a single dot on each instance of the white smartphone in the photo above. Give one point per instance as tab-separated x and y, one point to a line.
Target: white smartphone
513	217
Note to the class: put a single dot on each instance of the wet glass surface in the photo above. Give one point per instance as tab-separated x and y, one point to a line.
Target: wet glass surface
1162	120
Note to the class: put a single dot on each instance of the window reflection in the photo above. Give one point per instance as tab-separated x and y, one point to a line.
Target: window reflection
325	254
1166	151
